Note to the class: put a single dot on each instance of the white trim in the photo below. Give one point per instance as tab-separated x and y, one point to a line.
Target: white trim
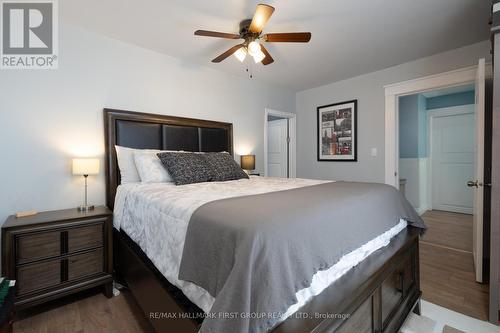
496	7
292	133
421	210
432	82
453	78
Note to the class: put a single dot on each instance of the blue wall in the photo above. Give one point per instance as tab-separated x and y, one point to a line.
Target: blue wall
412	127
413	119
447	101
408	126
422	126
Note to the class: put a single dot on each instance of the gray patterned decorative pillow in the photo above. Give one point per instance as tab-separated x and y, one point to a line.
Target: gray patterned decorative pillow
223	167
186	168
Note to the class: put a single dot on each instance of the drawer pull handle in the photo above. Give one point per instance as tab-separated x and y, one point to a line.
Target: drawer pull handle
401	282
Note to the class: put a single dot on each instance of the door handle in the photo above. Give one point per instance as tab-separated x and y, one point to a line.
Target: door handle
475	183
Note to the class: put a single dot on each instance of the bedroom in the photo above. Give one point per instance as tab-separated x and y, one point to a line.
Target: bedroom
145	58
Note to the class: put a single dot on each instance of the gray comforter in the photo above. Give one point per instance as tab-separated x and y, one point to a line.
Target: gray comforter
254	253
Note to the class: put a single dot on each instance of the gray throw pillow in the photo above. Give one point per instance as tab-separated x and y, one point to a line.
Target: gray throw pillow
186	168
223	167
189	168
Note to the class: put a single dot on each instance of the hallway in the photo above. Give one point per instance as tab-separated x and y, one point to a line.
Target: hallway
446	265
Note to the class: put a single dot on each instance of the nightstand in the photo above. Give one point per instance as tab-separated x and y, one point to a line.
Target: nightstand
57	253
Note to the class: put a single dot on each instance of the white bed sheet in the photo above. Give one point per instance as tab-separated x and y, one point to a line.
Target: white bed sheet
156	216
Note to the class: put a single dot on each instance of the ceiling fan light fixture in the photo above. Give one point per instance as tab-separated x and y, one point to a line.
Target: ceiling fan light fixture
254	48
258	57
241	54
251	33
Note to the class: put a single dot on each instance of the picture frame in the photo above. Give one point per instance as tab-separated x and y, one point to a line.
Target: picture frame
337	132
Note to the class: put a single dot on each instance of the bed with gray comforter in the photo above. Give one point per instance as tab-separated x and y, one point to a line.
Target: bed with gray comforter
253	253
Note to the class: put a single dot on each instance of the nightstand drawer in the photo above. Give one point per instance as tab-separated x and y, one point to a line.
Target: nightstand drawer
38	276
38	245
85	237
56	253
85	264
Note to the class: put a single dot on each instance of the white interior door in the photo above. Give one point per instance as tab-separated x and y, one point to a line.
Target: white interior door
452	156
277	148
477	183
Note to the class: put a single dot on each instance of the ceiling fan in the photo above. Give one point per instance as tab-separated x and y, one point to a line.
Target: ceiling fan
251	32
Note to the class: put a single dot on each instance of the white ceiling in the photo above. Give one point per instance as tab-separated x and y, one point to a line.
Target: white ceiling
349	37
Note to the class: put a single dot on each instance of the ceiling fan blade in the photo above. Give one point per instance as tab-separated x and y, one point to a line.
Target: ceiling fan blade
227	53
268	59
216	34
260	18
288	37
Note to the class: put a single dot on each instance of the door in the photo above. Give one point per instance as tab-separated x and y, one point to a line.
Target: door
277	148
477	183
452	158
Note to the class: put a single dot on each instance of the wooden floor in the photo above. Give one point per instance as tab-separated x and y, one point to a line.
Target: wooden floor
89	312
446	265
448	229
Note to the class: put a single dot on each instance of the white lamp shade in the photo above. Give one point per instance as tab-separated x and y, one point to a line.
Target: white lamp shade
258	57
241	54
254	48
85	166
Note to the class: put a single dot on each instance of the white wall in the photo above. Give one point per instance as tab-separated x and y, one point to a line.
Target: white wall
415	171
48	117
369	90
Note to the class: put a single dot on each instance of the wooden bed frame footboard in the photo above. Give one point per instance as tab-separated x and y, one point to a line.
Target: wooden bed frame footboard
375	296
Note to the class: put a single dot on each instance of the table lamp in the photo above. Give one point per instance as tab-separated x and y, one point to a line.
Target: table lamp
248	162
85	167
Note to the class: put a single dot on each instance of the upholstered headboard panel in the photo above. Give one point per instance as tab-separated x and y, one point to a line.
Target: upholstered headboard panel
151	131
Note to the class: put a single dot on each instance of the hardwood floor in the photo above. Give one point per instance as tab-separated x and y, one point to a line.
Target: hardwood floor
446	265
88	312
448	229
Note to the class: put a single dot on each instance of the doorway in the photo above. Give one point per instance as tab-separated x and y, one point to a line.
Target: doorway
436	149
279	144
441	173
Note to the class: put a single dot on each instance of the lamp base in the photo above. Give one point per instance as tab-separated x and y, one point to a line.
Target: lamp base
85	208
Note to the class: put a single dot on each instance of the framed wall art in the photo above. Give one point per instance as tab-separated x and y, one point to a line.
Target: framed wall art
337	132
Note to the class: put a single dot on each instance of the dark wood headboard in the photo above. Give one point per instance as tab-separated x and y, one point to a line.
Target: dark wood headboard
153	131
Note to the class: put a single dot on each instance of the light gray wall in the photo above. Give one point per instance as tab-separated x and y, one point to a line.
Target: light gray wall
368	89
48	117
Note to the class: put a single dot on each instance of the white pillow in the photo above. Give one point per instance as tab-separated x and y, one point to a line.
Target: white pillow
126	164
150	168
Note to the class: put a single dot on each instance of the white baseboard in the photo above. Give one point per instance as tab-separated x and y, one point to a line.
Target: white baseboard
421	210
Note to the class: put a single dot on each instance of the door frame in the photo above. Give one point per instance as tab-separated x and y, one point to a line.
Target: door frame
292	134
449	79
431	115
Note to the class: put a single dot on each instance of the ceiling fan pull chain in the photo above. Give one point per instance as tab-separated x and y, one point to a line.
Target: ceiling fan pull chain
251	68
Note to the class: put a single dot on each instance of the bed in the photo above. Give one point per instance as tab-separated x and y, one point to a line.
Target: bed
373	294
